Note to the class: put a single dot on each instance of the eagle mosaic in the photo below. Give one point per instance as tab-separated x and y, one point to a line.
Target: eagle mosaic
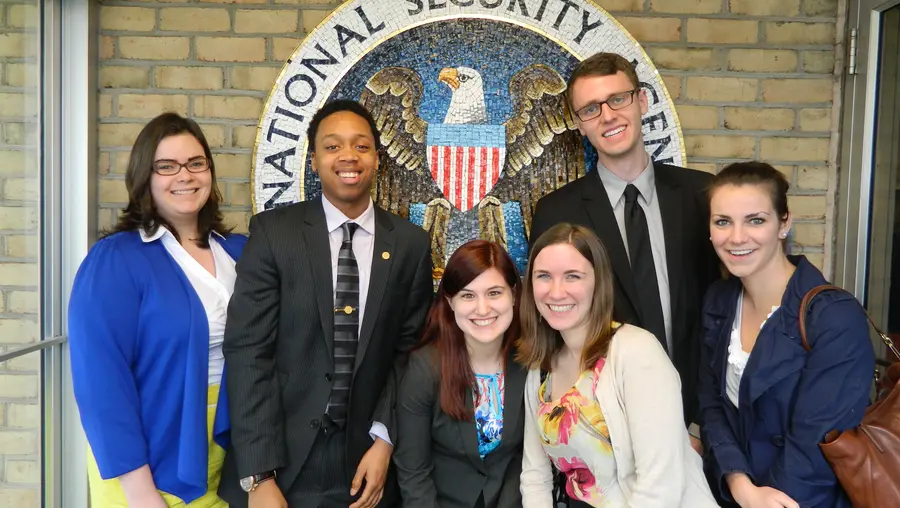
465	173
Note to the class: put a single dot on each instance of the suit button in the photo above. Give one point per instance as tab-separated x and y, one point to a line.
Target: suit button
778	441
328	377
314	424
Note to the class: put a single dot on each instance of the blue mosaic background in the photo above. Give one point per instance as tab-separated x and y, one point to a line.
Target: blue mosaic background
481	44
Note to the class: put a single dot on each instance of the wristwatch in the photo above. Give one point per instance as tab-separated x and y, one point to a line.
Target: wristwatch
250	483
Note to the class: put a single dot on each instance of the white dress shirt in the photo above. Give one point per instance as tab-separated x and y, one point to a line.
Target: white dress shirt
214	290
363	247
646	185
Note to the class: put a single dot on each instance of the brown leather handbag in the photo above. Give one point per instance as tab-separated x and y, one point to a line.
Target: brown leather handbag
866	460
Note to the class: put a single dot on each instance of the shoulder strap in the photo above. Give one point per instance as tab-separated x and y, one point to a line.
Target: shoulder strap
804	304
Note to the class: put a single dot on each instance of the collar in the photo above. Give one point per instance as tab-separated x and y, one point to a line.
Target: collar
725	293
615	186
334	217
162	231
804	278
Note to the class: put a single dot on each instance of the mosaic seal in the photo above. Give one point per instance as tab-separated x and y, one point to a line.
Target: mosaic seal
469	96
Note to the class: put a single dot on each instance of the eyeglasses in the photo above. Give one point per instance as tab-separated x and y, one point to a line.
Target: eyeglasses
166	167
616	102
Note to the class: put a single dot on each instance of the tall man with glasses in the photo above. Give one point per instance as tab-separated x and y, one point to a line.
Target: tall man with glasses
653	218
331	294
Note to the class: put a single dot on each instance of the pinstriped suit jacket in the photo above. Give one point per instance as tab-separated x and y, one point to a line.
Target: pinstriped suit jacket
279	340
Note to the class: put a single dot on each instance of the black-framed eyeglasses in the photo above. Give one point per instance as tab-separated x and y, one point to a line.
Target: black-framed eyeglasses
167	167
615	102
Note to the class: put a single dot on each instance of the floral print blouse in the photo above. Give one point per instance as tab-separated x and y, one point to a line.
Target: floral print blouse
489	411
575	438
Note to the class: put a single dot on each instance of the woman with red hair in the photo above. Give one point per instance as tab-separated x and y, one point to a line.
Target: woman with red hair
460	404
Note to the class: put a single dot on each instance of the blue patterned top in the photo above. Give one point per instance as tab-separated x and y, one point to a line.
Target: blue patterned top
489	411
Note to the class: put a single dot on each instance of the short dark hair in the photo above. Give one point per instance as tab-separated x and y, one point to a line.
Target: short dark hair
602	64
337	106
755	173
141	212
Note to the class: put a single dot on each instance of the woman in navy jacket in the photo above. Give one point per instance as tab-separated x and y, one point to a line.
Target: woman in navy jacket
146	322
765	402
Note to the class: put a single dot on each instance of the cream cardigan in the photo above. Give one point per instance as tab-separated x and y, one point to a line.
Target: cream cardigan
639	392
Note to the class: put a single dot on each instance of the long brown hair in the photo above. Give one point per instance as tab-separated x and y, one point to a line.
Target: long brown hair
141	212
465	265
539	342
759	174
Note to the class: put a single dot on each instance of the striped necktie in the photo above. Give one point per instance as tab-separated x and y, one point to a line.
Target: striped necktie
346	326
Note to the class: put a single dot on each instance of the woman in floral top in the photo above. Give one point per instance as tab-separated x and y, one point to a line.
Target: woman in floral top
602	400
460	404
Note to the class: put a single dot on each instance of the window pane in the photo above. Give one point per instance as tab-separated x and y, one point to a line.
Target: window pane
20	244
20	431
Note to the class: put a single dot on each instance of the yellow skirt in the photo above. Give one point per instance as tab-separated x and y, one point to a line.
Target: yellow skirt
109	493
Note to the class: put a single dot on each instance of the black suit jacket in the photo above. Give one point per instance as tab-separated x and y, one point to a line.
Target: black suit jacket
437	457
279	341
691	261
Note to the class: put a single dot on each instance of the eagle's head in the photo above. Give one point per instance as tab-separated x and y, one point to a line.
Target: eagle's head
467	104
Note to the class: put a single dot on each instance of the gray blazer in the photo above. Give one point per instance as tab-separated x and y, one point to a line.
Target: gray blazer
436	456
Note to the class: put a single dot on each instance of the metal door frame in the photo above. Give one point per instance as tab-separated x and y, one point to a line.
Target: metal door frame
857	173
857	144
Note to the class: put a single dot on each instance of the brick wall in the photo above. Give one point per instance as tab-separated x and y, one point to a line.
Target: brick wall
20	473
751	79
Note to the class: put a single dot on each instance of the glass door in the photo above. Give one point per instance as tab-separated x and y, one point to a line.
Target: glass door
867	254
883	263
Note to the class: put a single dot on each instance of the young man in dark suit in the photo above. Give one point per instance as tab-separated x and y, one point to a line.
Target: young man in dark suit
653	218
330	295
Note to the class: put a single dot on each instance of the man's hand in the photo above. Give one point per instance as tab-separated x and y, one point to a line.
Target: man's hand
697	445
267	495
373	468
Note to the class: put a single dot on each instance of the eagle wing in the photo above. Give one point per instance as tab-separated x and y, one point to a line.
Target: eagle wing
392	96
544	150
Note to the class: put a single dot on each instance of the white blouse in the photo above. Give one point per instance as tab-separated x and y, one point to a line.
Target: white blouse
214	291
737	357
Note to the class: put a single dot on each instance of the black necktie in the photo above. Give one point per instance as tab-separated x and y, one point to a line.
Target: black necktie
346	326
642	266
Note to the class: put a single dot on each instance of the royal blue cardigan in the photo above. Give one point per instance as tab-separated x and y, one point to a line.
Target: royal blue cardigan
139	345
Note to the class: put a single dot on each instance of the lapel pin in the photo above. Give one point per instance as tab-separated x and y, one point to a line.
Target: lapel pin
385	255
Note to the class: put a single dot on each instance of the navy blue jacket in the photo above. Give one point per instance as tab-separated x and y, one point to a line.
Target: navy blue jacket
789	398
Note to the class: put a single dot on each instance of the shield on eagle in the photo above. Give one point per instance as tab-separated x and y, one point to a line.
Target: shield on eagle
466	160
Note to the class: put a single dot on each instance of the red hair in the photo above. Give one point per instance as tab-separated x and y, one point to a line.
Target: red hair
456	375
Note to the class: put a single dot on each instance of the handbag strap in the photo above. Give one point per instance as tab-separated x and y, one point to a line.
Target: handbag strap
804	304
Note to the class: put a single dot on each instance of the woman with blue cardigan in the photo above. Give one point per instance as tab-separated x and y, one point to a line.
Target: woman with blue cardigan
146	323
766	403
